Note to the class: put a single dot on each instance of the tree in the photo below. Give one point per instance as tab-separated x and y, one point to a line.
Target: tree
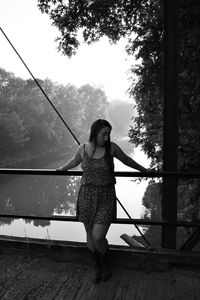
12	133
28	123
120	113
152	201
93	105
94	18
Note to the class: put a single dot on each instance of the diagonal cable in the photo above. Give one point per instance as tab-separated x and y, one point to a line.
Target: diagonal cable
40	86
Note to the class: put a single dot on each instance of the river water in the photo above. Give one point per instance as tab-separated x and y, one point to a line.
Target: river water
48	195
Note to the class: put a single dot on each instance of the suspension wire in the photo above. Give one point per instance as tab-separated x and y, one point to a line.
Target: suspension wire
44	93
40	86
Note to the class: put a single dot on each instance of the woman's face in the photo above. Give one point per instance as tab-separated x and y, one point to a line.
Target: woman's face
103	136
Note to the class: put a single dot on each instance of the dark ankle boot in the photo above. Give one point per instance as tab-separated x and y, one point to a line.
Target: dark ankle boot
96	276
105	265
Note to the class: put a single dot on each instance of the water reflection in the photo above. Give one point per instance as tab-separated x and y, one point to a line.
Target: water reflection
50	195
38	195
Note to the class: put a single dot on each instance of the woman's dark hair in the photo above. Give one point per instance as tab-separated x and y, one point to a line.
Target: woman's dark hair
94	130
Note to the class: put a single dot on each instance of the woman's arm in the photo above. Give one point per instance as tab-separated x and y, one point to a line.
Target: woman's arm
74	162
125	159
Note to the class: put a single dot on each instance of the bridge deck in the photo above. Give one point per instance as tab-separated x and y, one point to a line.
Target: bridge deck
39	274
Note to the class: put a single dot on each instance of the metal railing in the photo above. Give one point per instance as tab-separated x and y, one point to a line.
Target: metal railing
141	222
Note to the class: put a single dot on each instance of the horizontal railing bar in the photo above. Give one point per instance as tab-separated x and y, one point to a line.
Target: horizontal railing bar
34	217
141	222
79	173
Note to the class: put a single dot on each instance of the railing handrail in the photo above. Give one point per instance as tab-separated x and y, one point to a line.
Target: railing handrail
141	222
150	174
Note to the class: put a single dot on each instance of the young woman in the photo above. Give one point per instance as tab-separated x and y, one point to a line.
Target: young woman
96	203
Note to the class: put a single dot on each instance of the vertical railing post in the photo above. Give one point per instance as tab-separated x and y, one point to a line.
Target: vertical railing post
170	143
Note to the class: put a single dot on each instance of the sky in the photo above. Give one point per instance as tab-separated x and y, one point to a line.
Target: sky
101	64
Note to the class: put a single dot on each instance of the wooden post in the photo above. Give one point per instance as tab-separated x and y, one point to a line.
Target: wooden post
170	143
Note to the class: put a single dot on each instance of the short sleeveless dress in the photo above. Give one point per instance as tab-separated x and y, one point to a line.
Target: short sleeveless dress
96	203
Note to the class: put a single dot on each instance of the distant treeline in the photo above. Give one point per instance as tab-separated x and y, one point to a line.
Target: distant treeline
28	124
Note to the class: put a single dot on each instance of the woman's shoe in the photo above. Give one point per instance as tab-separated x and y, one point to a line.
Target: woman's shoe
105	265
96	276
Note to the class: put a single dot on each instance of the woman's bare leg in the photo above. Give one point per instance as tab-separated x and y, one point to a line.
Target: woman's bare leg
90	243
99	237
96	276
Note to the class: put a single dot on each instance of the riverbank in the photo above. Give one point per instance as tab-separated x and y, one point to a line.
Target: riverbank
27	160
37	161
